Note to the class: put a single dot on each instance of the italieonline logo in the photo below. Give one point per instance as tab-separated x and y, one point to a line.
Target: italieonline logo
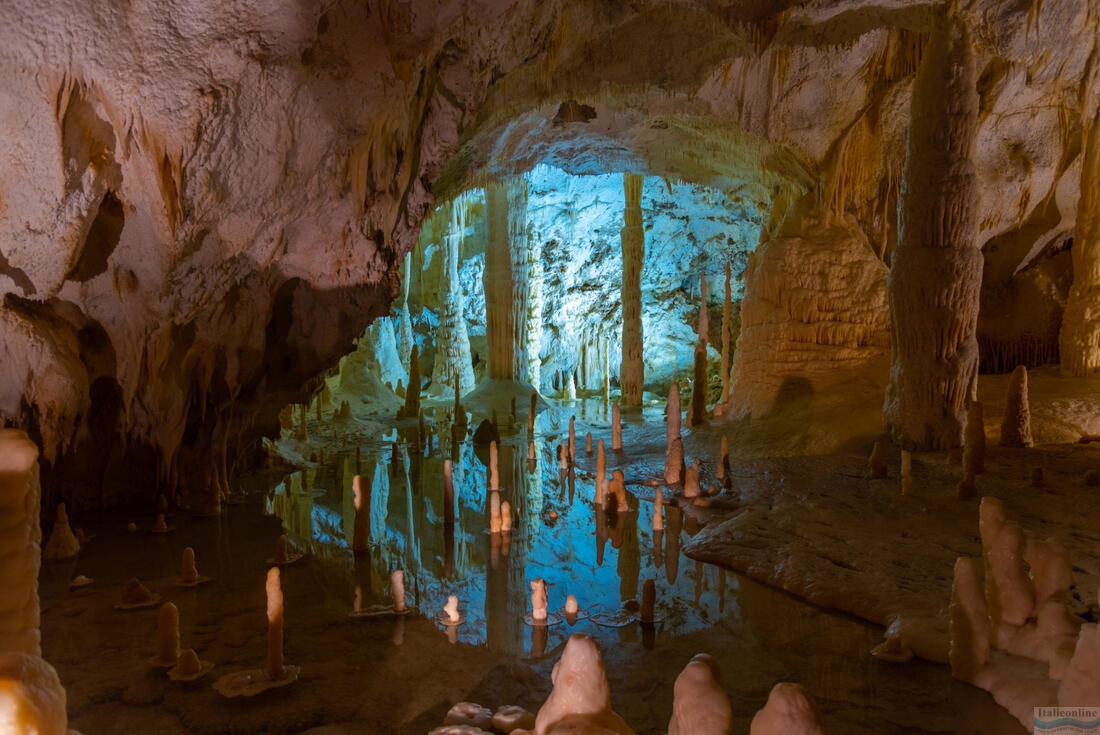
1067	720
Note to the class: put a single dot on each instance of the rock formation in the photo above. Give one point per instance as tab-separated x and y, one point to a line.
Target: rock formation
700	705
1016	424
20	551
1079	339
581	697
631	369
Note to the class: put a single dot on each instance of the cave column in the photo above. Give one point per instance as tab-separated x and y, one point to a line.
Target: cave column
1079	341
632	236
452	338
507	260
935	279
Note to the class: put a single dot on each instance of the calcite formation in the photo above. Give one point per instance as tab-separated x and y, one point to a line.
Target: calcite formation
32	700
20	543
632	236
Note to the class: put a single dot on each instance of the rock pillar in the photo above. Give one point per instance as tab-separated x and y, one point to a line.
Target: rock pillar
631	370
1079	341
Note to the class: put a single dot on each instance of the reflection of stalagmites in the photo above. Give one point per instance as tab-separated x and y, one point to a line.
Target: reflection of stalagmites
32	700
1008	590
563	457
674	452
601	473
469	714
344	412
281	556
509	718
617	491
572	439
1016	424
580	701
616	428
789	711
494	512
62	543
588	442
649	601
412	394
531	413
448	493
189	574
974	439
494	472
658	518
397	589
168	635
505	517
969	621
877	461
700	705
451	610
538	599
531	451
1037	479
275	668
691	481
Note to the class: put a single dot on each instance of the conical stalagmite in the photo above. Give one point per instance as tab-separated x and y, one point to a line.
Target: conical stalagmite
1016	424
936	275
632	236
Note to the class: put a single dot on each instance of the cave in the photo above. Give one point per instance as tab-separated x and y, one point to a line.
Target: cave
679	367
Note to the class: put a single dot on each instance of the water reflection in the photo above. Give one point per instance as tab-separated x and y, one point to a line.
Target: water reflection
560	534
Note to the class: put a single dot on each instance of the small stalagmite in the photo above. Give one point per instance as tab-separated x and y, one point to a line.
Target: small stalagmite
168	636
699	702
62	543
974	439
789	711
275	669
494	472
397	589
189	573
877	461
649	601
601	472
538	599
691	481
1016	424
571	605
588	442
616	428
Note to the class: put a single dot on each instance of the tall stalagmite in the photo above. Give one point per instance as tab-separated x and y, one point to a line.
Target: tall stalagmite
1079	341
505	279
631	369
452	340
698	409
936	275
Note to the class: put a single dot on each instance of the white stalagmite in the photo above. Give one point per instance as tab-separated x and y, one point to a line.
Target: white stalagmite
700	705
616	428
1079	340
789	711
935	280
1016	424
632	237
580	701
20	544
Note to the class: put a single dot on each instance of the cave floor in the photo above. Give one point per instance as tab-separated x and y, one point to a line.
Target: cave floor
401	675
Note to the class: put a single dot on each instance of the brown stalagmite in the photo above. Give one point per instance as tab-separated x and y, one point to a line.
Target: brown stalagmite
674	452
616	428
698	409
1016	424
727	326
572	439
632	236
505	278
974	445
361	490
1079	341
936	275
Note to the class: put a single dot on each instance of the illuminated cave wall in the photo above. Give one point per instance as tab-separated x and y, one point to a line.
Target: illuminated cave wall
575	221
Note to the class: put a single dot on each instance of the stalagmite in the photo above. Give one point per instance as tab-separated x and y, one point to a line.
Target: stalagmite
32	700
698	410
580	701
1008	590
632	238
563	457
530	451
21	534
1016	424
62	543
877	461
616	428
700	705
411	408
275	670
505	516
571	606
691	481
617	490
969	620
588	442
397	589
974	442
727	328
168	636
189	573
494	472
538	599
1079	340
658	507
935	279
572	439
448	493
450	610
674	453
649	601
789	711
601	472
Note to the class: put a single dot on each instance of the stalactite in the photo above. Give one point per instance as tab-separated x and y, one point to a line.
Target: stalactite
1079	341
632	237
452	360
506	279
935	281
